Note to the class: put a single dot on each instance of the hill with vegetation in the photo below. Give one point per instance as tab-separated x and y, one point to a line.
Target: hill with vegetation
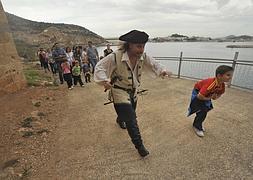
30	35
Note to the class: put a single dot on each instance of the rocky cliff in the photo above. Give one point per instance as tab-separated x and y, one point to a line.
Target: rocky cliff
11	75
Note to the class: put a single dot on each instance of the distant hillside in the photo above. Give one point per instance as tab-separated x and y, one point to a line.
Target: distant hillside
30	35
240	38
184	38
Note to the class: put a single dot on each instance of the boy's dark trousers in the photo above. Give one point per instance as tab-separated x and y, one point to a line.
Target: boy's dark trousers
87	77
126	113
199	119
78	79
200	108
68	79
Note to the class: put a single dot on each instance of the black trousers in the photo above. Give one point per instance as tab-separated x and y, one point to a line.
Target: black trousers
87	78
59	69
78	79
126	113
52	67
68	79
199	119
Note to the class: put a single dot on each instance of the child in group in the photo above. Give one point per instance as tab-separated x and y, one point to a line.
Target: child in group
76	72
203	92
44	59
86	70
67	73
51	62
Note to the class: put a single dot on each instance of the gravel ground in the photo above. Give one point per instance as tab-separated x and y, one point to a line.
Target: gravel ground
88	144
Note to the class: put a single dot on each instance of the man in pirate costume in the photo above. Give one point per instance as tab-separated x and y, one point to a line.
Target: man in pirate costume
203	92
121	72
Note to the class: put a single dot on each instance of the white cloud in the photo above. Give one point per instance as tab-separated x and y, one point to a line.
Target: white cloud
157	17
221	3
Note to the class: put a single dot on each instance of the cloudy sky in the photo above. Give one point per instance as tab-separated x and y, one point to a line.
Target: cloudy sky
111	18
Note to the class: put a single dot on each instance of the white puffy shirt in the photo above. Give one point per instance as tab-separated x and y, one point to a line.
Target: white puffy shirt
105	67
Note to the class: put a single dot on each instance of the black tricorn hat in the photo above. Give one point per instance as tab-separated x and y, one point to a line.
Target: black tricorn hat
135	36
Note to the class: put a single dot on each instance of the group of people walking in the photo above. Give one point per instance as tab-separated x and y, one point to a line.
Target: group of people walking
69	63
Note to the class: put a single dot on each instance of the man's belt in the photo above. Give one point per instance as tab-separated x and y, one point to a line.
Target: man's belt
129	91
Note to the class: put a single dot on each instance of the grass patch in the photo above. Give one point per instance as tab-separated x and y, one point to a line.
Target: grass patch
35	76
26	172
26	123
42	131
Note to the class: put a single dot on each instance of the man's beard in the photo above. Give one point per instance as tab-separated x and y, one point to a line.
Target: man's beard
139	55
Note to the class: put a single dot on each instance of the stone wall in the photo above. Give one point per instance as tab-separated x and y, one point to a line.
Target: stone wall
11	76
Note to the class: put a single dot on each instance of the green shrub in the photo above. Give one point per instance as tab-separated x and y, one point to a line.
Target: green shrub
35	76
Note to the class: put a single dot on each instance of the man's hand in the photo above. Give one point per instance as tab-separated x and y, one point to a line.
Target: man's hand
107	85
165	73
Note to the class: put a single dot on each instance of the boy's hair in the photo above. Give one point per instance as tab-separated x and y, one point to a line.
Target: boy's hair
223	69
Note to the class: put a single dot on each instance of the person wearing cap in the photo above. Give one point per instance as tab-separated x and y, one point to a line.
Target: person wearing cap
121	72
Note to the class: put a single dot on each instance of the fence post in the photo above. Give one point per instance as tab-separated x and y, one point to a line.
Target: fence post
179	65
233	65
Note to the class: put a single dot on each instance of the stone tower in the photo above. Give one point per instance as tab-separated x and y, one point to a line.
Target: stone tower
11	76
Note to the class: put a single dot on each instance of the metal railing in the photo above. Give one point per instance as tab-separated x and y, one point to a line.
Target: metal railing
200	68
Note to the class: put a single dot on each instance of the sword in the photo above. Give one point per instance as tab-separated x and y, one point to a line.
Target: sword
139	92
113	80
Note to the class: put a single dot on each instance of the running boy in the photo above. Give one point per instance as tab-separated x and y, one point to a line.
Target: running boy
203	92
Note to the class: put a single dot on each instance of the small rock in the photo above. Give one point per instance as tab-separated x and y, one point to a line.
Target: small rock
10	163
28	134
40	114
24	129
36	103
43	131
49	98
35	115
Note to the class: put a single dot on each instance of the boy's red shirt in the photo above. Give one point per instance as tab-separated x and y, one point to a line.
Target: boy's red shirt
209	86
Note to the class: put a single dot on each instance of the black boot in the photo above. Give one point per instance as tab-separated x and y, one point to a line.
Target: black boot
142	151
122	124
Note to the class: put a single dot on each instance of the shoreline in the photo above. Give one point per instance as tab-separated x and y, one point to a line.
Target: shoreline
239	46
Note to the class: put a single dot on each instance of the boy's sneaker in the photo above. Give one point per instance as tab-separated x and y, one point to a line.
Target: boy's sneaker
82	85
71	87
198	132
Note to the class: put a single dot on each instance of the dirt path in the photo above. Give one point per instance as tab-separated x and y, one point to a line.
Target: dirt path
89	144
